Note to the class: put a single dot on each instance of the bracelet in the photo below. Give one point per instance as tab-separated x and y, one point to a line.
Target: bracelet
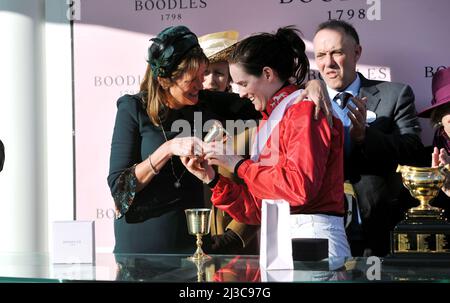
152	168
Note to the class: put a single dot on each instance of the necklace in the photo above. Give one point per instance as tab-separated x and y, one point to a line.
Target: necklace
177	183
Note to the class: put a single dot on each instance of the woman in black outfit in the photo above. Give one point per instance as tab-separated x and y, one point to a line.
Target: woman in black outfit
150	186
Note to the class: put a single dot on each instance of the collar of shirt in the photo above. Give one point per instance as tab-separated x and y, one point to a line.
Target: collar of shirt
277	98
352	89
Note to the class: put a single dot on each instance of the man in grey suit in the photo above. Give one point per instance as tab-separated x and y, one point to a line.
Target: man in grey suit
381	131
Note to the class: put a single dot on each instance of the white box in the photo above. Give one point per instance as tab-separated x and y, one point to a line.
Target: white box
85	272
73	242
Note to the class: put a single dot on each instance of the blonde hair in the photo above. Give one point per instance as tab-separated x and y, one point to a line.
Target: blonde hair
155	90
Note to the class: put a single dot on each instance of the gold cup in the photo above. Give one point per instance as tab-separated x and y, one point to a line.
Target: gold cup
424	184
198	225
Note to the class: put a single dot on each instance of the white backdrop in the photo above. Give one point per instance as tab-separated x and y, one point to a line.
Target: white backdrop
402	40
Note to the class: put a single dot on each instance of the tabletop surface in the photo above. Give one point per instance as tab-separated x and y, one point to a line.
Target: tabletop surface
37	267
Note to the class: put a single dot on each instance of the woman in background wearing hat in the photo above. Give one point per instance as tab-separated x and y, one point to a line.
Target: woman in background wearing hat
439	114
150	186
228	235
217	47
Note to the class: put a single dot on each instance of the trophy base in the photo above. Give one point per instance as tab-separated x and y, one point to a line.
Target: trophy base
413	259
426	212
199	258
421	238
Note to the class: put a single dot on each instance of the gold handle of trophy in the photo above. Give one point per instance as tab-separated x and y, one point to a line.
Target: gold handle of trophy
400	168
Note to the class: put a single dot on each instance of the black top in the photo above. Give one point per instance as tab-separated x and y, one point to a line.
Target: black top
153	220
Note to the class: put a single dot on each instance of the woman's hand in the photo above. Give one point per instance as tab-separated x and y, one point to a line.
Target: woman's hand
185	146
199	167
316	91
220	154
438	158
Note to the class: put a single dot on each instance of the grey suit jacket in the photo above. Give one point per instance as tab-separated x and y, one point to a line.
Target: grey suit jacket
392	139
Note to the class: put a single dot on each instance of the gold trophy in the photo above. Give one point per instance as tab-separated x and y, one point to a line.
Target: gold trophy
424	232
198	225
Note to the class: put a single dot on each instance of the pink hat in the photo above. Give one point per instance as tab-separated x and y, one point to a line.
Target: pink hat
441	91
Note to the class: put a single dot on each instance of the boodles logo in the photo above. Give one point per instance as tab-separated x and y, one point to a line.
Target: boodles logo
371	12
160	5
431	70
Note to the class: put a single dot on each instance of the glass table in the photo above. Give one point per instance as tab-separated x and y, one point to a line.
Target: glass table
34	267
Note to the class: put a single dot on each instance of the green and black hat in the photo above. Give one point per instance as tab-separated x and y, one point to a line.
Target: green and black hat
169	48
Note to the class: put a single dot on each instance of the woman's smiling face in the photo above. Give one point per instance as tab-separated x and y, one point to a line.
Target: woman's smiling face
185	89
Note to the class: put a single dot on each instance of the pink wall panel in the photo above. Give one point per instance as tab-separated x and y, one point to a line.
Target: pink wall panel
407	44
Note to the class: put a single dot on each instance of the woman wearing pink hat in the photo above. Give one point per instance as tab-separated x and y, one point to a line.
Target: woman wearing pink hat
439	114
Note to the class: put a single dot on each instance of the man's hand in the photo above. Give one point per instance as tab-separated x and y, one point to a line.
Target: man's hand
358	117
316	91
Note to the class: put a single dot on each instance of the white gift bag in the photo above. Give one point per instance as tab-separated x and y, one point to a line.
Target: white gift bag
276	245
285	275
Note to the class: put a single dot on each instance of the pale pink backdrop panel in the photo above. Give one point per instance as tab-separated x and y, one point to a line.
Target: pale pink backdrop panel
110	47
